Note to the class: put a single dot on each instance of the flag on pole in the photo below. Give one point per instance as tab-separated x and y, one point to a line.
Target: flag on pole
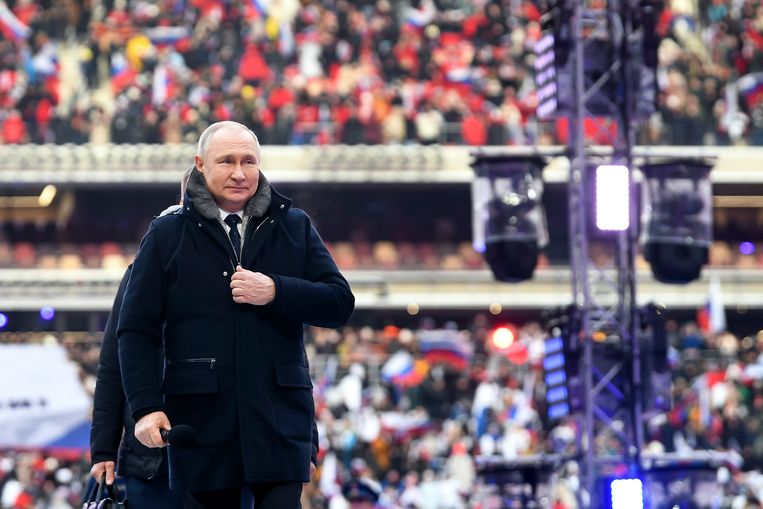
445	347
751	88
711	318
11	26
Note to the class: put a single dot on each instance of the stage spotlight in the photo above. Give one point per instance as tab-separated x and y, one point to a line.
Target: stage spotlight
47	313
3	320
747	248
677	218
502	337
627	494
508	219
612	197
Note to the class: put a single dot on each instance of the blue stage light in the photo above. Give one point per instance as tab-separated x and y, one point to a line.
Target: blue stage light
553	345
555	378
553	362
558	410
747	248
47	313
3	320
556	394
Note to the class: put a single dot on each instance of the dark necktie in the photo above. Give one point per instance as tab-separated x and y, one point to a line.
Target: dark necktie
235	237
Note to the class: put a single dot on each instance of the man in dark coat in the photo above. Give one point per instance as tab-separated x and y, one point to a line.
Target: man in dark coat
229	297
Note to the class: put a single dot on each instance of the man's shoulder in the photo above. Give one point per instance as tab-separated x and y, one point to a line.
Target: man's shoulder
296	213
166	225
171	216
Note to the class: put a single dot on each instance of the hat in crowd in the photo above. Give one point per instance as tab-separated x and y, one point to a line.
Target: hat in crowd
361	489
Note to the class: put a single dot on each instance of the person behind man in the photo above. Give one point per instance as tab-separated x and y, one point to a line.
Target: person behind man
229	284
144	469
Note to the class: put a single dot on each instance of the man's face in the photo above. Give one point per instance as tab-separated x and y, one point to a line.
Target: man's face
231	167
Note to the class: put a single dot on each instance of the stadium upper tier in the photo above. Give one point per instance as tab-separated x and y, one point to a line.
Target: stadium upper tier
148	164
333	71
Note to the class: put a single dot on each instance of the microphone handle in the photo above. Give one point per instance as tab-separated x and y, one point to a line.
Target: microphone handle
165	433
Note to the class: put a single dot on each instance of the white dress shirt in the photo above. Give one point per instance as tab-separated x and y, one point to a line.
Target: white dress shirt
241	225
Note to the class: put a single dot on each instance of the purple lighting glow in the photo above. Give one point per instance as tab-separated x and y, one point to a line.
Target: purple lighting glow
747	248
3	320
47	312
612	198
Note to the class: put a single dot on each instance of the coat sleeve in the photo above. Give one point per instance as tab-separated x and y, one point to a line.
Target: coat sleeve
140	329
109	398
323	297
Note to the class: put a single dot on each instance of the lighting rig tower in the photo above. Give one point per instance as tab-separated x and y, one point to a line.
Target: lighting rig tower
604	59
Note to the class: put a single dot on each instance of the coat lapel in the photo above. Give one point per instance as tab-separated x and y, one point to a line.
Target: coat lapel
260	229
215	231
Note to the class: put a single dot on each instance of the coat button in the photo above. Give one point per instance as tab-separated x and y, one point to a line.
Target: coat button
199	225
282	206
225	273
272	221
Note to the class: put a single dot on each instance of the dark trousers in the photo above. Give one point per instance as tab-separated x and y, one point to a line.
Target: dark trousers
153	494
267	495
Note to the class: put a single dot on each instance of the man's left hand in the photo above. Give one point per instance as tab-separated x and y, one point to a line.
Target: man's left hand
249	287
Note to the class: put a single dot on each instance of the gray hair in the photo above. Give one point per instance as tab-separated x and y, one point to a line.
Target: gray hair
209	131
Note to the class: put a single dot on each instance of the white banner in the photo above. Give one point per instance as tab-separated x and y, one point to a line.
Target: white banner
41	396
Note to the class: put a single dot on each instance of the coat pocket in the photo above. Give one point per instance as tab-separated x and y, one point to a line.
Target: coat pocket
191	397
190	376
294	402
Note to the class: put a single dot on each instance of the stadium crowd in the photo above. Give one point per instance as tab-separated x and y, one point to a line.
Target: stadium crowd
415	429
335	71
380	255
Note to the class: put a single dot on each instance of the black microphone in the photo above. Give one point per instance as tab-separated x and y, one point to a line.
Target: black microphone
181	435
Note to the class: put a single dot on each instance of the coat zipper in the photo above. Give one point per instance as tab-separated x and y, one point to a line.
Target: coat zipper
239	255
200	360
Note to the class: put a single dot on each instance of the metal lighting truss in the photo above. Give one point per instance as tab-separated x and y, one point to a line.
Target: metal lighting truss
610	424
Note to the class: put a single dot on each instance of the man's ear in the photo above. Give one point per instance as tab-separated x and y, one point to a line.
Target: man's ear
199	163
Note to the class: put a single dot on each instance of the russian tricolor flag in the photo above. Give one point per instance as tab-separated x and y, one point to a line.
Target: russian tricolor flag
445	347
401	369
168	35
11	26
711	318
751	87
261	6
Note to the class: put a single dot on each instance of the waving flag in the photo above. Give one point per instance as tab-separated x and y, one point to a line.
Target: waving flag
403	370
445	347
751	88
409	424
11	26
162	36
261	6
42	401
711	318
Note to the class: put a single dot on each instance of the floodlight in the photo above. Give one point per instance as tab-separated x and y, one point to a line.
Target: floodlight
677	219
508	220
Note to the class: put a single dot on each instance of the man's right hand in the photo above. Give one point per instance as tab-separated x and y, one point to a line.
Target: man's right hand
104	467
148	429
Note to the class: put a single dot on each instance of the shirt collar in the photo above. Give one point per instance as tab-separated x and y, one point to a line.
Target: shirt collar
225	213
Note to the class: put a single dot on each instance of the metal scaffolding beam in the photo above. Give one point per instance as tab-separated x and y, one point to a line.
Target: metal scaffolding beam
605	294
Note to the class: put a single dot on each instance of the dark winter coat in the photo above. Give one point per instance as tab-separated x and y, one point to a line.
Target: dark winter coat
236	373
